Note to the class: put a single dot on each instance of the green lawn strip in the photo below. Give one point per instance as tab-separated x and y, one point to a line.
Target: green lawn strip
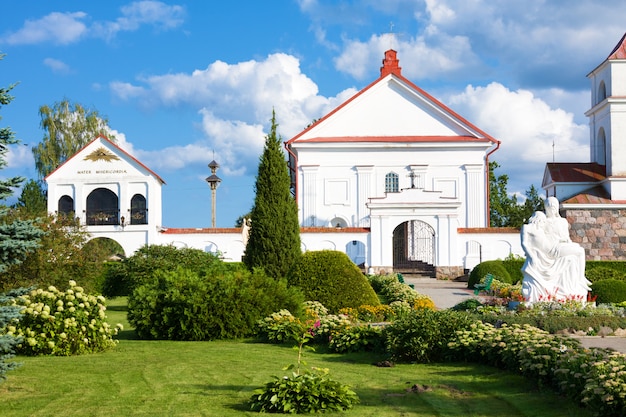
216	379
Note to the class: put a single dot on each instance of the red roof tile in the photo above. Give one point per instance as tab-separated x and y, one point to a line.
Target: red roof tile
576	171
619	52
395	139
595	195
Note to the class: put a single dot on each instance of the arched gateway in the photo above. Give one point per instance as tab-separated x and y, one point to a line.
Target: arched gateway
413	247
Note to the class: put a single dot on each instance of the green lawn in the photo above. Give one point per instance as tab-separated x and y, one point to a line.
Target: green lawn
162	378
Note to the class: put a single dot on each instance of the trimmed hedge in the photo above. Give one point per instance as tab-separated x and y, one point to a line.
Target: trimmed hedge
609	291
495	267
553	323
600	273
331	278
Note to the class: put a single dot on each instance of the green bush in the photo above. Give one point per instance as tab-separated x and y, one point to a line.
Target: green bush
609	291
619	266
331	278
62	323
280	327
604	272
470	304
513	266
120	278
422	335
308	392
390	289
356	338
495	267
218	303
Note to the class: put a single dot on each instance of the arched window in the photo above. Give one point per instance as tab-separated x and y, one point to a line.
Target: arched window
601	91
138	210
601	147
65	206
102	207
391	183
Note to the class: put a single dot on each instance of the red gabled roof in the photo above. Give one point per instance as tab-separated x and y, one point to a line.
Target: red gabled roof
619	52
391	68
116	147
576	171
406	139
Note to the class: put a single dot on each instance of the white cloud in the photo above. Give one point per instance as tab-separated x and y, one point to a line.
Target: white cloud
57	28
155	13
67	28
20	156
57	66
527	128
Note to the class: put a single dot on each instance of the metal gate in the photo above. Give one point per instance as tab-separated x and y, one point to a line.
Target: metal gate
413	246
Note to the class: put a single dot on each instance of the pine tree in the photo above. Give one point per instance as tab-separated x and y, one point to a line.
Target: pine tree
274	240
33	199
17	238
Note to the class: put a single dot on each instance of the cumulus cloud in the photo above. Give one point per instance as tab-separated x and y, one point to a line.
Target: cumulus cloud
527	127
57	28
235	102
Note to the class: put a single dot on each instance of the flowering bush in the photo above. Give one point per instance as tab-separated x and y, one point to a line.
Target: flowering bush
62	323
356	338
593	377
280	327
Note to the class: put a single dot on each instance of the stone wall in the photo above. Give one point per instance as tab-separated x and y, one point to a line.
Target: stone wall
601	232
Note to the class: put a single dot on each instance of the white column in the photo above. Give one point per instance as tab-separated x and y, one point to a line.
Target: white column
475	196
364	192
308	194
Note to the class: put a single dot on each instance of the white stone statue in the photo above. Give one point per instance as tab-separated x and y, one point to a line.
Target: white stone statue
555	266
245	230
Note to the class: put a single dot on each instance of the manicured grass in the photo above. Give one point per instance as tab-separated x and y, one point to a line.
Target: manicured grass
162	378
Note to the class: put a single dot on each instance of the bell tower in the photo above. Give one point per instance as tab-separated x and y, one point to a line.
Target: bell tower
607	119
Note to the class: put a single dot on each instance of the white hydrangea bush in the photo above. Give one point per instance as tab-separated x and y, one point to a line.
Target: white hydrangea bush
62	323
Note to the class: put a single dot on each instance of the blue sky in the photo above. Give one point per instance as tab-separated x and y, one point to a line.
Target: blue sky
185	82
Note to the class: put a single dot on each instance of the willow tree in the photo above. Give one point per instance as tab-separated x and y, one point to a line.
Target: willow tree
274	240
67	128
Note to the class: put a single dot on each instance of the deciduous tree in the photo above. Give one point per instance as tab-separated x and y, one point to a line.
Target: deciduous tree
274	242
505	210
68	127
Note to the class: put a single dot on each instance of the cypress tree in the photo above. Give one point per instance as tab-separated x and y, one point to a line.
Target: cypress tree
17	238
274	240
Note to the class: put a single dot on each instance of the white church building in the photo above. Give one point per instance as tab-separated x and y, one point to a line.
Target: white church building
392	177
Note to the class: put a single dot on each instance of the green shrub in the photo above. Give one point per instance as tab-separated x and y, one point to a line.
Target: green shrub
609	291
423	335
219	303
390	289
513	265
308	392
604	272
62	323
495	268
619	266
356	338
331	278
470	304
120	278
280	327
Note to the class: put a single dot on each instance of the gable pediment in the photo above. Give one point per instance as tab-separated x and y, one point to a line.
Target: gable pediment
101	159
392	107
